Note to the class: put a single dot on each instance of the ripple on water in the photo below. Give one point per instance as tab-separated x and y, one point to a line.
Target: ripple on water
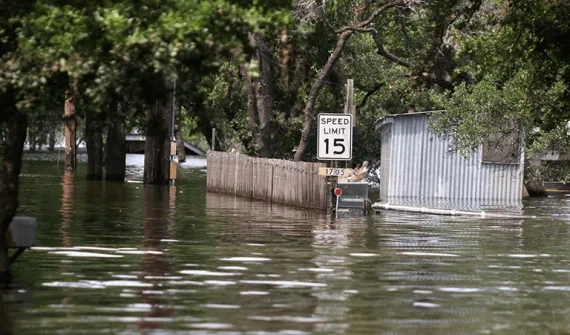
363	254
424	304
234	268
211	326
283	283
209	273
74	285
245	259
460	289
320	270
220	306
84	254
219	282
427	254
254	293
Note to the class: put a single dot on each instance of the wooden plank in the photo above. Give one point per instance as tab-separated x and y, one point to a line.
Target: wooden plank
173	170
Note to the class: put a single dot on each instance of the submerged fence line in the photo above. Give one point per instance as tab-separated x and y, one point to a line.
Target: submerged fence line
275	180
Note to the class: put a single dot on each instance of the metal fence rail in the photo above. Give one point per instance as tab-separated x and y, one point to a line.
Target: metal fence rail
280	181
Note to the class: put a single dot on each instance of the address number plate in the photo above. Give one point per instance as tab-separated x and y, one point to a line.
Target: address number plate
324	171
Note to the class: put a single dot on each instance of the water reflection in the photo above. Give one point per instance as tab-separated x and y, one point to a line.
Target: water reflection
67	206
332	266
5	319
136	259
155	263
255	221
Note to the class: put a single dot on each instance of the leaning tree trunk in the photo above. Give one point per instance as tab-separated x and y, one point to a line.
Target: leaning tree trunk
309	110
94	142
116	148
345	34
14	124
179	139
157	144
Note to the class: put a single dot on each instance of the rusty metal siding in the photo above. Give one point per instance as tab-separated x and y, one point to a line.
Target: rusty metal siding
416	163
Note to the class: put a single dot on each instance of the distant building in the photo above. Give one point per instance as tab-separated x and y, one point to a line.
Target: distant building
418	167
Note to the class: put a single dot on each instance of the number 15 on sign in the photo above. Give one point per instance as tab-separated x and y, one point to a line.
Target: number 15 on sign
335	137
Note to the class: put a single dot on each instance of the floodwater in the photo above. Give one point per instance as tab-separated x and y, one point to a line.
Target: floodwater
131	259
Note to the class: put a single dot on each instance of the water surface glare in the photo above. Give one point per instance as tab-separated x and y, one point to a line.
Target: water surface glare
125	258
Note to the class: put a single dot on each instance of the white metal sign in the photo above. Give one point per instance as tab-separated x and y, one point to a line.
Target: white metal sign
335	137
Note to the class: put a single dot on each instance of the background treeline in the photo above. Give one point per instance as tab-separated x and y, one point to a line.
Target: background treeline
259	72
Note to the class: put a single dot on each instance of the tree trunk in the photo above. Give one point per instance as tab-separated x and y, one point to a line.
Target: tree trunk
116	148
94	142
179	139
264	94
41	137
15	124
51	145
260	97
70	135
32	139
157	144
253	117
309	110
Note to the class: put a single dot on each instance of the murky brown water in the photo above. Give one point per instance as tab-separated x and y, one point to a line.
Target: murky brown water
132	259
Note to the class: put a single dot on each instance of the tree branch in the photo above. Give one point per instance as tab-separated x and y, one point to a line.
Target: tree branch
385	53
372	17
369	93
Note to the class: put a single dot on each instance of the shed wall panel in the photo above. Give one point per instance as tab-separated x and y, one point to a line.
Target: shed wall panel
407	144
418	164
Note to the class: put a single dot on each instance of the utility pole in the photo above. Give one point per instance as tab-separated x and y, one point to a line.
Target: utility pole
350	107
173	165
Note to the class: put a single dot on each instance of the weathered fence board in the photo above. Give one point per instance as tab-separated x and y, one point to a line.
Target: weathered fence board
275	180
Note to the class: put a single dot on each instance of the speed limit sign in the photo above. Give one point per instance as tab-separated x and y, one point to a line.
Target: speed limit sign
335	137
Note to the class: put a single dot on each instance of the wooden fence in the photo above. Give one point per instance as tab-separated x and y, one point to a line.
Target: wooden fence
274	180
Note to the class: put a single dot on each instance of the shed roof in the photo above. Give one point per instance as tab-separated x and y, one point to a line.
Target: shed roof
381	122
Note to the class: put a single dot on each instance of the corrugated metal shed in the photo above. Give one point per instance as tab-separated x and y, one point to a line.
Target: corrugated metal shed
418	164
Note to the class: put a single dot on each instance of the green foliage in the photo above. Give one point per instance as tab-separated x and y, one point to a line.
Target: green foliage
190	131
118	48
495	66
510	87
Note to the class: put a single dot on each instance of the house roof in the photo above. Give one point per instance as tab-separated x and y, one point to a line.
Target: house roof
381	122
